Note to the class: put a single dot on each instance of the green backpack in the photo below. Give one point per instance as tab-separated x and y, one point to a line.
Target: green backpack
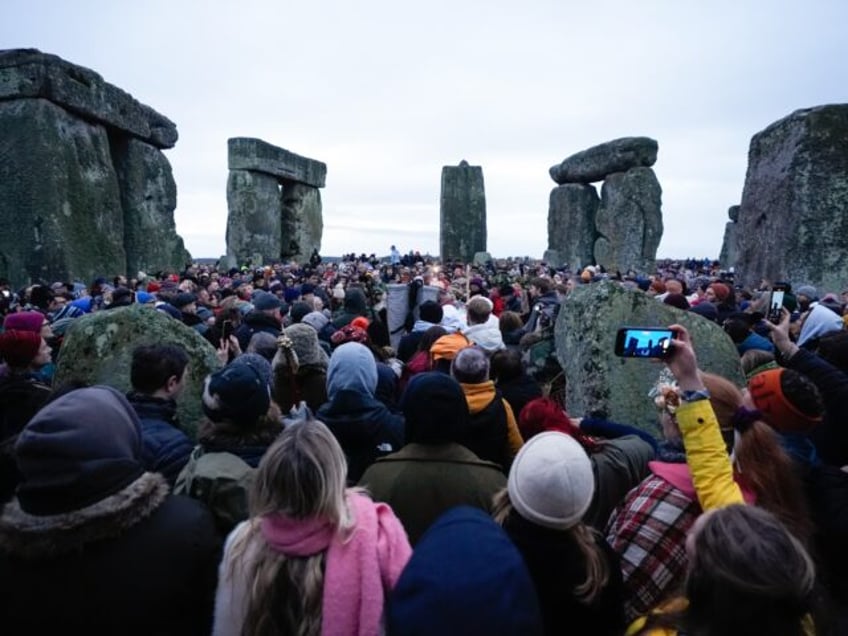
221	481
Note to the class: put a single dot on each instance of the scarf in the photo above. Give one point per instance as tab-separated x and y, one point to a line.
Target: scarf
362	564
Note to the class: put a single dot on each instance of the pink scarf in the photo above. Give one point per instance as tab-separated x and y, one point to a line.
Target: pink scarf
361	566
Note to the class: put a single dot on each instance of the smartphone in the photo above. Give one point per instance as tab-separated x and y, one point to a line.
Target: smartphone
644	342
226	330
778	291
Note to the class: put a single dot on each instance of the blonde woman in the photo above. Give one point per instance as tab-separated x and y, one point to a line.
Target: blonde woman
314	557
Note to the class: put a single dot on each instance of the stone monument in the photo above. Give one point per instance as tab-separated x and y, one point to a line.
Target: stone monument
793	219
274	202
84	187
462	226
622	229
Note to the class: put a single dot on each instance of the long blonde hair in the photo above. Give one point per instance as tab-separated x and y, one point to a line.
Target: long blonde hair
302	475
597	568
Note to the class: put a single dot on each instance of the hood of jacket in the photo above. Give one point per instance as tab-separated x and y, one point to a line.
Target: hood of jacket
352	368
479	396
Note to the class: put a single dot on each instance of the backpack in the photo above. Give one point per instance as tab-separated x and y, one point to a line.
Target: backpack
221	482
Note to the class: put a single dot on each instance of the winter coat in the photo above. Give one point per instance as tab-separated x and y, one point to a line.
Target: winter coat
364	426
355	305
20	398
519	391
557	566
493	433
166	448
139	562
422	481
255	322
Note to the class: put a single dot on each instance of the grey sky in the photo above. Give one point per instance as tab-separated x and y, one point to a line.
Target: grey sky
386	93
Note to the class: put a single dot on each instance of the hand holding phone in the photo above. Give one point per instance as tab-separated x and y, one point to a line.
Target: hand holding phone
776	296
644	342
226	330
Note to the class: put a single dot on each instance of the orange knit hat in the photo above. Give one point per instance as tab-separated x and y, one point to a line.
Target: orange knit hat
778	411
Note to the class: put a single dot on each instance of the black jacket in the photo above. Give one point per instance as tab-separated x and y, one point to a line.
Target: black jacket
254	322
165	447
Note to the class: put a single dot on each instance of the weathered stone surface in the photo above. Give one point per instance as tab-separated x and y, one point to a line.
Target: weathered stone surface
571	224
597	380
552	258
301	223
462	212
481	258
59	196
793	221
629	221
595	163
247	153
98	350
733	213
148	197
730	245
254	219
29	73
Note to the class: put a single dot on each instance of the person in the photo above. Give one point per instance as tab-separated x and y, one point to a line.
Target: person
493	432
747	572
364	426
465	577
22	393
314	557
94	544
420	362
394	257
619	454
158	377
576	574
430	315
483	328
300	369
648	529
512	380
265	316
433	471
241	423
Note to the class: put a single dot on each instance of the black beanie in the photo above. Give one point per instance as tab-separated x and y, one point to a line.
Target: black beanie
239	392
435	409
78	450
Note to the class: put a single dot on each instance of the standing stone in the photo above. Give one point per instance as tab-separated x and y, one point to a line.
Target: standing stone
571	224
462	213
253	223
97	349
730	245
148	197
59	199
553	258
301	225
595	163
793	221
629	221
599	382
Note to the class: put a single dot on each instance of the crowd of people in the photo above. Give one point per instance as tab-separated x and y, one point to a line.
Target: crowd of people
351	478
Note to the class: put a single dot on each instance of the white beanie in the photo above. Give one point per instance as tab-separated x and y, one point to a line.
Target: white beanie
551	482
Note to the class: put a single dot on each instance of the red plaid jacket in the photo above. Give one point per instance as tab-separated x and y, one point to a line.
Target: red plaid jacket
649	531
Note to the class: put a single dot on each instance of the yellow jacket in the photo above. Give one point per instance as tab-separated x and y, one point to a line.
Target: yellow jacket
706	454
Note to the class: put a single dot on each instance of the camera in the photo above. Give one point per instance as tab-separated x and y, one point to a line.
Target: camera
644	342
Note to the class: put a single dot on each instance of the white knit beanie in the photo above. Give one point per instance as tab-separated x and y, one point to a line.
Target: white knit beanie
551	481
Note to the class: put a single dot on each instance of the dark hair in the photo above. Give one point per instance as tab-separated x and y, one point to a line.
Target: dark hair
509	321
737	328
542	284
152	365
834	348
505	365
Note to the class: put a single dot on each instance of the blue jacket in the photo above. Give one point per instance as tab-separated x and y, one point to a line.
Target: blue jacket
165	447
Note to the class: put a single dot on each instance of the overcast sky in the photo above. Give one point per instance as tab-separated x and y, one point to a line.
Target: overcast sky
388	92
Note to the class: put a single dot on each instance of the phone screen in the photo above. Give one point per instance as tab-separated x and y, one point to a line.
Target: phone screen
226	330
643	342
776	303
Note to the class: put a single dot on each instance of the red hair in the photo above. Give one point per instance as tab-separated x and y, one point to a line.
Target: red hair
544	414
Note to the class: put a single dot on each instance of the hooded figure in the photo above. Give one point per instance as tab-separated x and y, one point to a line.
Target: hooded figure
300	369
94	544
364	426
464	577
433	472
819	322
355	305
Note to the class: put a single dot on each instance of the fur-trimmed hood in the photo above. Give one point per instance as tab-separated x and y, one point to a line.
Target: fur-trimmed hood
44	536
